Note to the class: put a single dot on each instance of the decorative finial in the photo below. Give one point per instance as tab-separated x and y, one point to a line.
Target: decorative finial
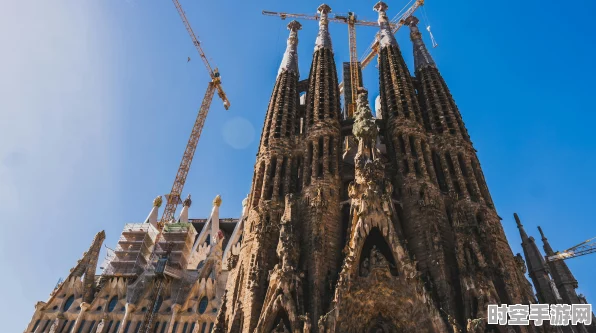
380	7
294	26
217	201
289	63
323	37
324	9
412	21
157	202
386	37
187	202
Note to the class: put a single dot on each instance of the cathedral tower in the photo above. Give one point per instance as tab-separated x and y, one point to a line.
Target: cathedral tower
398	234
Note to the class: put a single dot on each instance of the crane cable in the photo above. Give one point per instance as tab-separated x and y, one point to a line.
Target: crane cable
426	21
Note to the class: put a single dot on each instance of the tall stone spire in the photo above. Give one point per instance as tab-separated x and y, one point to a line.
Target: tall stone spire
322	182
564	279
323	38
440	113
537	268
386	37
290	59
422	57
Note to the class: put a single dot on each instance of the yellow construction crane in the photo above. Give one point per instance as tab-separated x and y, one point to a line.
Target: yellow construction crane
580	249
173	199
352	22
395	25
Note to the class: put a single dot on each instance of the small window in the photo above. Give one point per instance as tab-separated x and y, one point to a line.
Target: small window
204	328
91	327
203	304
80	330
112	304
35	326
184	328
211	327
68	303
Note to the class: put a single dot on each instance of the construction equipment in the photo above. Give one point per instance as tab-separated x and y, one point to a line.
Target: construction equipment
580	249
173	198
349	19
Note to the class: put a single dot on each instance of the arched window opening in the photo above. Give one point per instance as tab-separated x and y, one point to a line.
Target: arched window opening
201	264
258	185
376	253
192	328
439	172
464	171
68	303
127	327
320	158
480	182
110	325
309	162
164	325
281	320
330	150
208	239
112	303
80	330
175	327
270	177
138	327
415	156
156	327
36	324
64	326
211	327
204	328
282	177
117	326
203	304
184	327
451	168
91	327
479	218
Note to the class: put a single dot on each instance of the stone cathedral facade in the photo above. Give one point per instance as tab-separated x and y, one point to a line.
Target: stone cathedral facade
369	224
358	224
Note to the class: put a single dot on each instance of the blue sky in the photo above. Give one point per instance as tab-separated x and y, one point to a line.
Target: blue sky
97	101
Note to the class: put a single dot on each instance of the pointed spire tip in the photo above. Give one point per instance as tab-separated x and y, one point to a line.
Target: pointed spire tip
517	220
541	233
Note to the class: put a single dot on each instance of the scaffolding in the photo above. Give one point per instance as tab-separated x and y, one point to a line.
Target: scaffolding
177	239
131	255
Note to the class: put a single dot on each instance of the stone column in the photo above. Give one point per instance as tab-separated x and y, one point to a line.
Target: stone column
175	309
84	308
129	308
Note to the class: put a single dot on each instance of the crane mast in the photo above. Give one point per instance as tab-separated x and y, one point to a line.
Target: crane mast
374	48
173	198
